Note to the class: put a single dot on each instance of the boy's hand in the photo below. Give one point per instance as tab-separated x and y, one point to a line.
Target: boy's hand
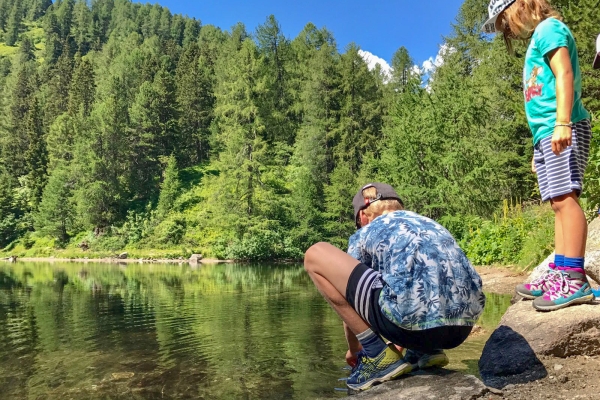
533	169
561	139
351	359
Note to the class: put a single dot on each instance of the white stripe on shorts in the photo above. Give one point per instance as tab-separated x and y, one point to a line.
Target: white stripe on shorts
562	174
362	301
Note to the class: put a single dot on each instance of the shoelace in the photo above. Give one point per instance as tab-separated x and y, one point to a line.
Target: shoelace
561	286
549	275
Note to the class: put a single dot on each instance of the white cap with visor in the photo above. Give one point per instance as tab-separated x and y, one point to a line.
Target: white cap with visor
494	9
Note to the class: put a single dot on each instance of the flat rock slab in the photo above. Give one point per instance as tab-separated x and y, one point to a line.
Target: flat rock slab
433	384
567	332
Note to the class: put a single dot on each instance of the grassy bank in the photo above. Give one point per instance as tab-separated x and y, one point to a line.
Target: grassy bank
515	235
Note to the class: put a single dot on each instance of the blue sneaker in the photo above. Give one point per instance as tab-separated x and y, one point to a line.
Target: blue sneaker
386	366
426	360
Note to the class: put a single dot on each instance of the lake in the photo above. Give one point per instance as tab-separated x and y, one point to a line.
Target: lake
160	331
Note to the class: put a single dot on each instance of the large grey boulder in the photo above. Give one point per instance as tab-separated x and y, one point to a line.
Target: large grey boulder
510	354
567	332
433	384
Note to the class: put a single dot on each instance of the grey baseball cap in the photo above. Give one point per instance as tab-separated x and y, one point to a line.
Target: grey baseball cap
596	63
494	9
384	192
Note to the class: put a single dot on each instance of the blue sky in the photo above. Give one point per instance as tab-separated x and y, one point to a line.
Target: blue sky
377	26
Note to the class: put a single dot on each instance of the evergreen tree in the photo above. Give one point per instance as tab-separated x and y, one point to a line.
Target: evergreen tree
52	31
57	89
36	155
195	97
82	89
55	216
275	49
82	27
4	12
13	25
190	32
402	65
15	140
169	189
99	153
9	213
312	151
360	115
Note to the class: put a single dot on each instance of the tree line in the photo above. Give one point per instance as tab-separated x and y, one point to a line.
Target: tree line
123	125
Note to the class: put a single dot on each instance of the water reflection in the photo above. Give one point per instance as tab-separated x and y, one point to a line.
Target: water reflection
165	331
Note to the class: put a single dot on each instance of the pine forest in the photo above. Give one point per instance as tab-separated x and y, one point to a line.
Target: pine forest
124	127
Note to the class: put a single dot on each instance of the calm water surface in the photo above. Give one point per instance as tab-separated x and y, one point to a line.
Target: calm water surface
97	331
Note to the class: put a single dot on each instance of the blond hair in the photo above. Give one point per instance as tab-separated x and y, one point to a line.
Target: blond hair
521	18
379	207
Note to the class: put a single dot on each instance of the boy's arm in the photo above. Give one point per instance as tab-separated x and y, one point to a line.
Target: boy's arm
560	62
354	346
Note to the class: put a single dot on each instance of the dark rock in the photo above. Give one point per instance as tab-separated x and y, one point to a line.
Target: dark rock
432	384
507	359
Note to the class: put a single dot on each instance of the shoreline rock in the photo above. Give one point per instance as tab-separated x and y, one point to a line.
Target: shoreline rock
431	384
511	354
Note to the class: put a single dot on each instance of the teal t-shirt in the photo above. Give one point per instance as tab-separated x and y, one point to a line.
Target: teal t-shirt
539	83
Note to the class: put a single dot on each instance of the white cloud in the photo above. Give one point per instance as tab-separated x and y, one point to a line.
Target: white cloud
431	64
372	60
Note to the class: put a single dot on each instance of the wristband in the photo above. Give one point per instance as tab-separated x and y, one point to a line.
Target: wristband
569	124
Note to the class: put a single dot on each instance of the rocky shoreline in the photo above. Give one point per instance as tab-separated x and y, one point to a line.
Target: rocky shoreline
118	260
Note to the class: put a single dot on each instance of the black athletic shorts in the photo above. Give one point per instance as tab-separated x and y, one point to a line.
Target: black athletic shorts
362	292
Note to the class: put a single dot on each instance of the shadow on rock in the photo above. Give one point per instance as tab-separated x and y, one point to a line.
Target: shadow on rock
508	358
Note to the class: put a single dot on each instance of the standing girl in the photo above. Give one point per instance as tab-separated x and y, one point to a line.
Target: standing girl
561	138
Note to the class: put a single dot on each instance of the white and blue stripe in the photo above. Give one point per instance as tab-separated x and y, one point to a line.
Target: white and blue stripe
563	174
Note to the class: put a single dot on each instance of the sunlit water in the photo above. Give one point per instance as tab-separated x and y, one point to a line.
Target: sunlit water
97	331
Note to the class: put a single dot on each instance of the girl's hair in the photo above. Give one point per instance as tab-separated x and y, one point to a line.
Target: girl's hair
377	208
521	18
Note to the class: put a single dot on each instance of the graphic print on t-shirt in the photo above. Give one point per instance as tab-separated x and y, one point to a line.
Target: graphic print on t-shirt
532	87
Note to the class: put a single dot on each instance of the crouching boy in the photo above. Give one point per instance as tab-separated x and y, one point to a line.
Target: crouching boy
404	279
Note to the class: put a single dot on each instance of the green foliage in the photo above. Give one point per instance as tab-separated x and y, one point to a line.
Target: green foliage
169	188
518	236
263	245
55	216
124	126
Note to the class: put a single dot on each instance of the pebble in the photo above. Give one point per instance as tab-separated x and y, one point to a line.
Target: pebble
558	367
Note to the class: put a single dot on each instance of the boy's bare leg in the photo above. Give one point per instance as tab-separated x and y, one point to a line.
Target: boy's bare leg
573	225
330	269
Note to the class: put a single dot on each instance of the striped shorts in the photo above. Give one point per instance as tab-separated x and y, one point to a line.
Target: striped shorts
563	174
363	292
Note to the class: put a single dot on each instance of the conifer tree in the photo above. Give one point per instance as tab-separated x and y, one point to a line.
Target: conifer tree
13	25
169	189
312	151
36	155
195	98
83	89
55	214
